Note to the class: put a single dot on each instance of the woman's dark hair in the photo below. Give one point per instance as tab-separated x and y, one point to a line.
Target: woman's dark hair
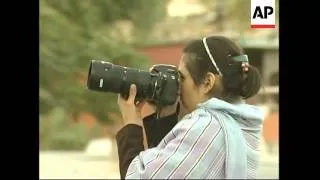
236	82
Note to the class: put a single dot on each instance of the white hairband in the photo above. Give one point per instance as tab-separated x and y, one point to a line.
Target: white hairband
204	40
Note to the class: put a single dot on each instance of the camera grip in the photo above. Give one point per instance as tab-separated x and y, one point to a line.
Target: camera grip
126	91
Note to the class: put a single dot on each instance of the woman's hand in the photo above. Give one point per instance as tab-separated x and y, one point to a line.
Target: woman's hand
130	111
165	111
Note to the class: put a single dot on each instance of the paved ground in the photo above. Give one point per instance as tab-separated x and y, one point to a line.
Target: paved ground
77	165
67	165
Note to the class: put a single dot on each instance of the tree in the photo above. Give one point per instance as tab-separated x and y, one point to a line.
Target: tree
72	32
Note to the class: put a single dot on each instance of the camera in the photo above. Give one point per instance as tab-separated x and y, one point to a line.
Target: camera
160	86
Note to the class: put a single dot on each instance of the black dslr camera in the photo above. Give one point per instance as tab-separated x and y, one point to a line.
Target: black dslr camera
159	86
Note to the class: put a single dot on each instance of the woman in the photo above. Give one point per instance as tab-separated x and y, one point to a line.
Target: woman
219	135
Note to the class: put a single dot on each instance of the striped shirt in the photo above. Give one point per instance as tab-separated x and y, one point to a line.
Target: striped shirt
197	148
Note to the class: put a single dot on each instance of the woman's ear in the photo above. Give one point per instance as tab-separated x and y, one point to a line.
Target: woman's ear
209	82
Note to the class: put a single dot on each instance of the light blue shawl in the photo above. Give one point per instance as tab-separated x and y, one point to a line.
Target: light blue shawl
236	149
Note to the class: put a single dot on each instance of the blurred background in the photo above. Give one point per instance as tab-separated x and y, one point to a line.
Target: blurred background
77	126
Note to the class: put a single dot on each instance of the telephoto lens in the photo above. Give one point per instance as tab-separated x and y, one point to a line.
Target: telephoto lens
159	86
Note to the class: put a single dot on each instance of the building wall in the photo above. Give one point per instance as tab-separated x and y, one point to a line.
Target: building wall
163	54
270	63
171	54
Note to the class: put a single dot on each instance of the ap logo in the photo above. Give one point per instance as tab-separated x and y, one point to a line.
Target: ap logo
263	14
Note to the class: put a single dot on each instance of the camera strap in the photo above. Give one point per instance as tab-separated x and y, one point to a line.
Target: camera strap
158	111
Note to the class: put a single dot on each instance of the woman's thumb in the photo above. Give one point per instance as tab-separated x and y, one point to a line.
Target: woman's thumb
132	93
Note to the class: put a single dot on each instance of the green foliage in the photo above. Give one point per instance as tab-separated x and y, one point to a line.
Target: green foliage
57	133
72	32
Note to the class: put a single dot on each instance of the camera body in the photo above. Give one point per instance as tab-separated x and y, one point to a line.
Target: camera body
159	86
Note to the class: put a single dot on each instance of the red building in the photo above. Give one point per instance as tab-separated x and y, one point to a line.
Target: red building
163	53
